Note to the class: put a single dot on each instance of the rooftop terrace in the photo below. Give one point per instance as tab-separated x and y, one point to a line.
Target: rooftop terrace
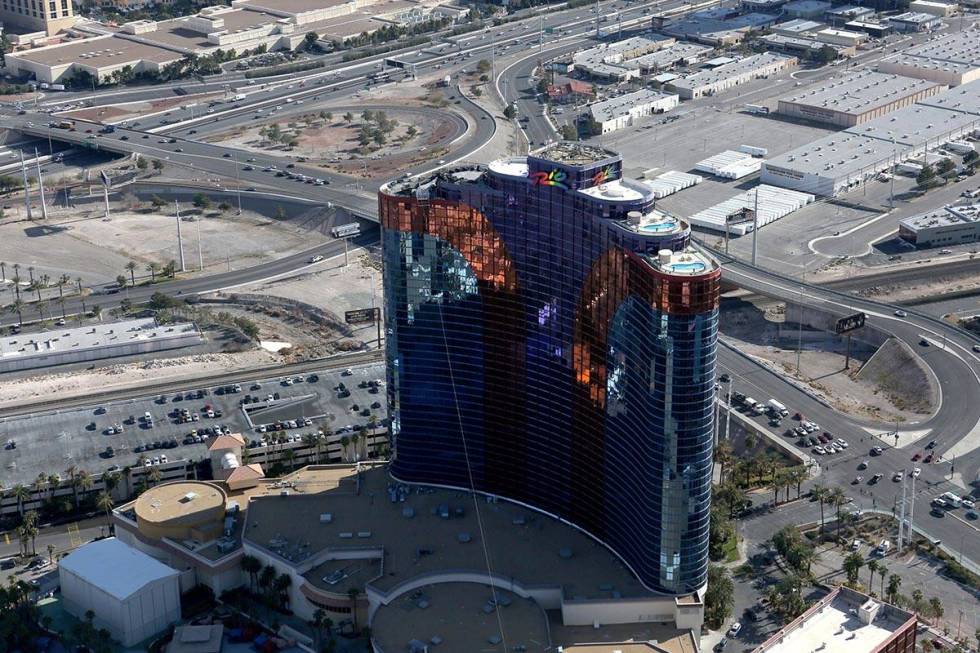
426	531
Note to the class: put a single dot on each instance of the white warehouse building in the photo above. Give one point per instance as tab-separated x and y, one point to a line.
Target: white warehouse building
838	162
722	78
133	596
619	112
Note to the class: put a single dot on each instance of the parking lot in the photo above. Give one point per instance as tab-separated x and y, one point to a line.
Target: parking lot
97	437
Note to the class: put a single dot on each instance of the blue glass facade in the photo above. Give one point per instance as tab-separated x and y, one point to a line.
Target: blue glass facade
551	340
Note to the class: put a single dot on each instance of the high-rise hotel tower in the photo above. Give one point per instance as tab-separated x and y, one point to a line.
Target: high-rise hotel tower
551	340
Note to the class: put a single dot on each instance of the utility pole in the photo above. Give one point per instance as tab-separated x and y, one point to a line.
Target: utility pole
238	185
27	187
180	242
728	413
901	514
200	252
597	19
755	228
40	185
105	195
799	322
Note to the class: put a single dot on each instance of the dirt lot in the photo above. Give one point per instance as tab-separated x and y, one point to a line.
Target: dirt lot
759	331
333	143
134	110
333	289
84	244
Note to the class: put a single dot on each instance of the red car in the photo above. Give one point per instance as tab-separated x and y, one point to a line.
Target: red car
916	457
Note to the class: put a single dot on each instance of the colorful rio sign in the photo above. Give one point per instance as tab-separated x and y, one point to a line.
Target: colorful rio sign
554	177
603	175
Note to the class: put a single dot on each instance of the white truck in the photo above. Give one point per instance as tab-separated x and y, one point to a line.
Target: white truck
753	151
239	97
777	408
755	407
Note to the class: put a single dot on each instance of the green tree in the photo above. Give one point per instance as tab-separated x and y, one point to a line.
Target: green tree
872	570
852	566
104	503
945	166
411	131
310	41
894	585
926	176
936	609
569	132
719	598
157	165
510	112
224	206
348	117
121	280
826	55
141	164
202	201
131	267
483	65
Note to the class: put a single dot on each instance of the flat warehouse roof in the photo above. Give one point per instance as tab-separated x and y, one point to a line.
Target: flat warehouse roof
89	337
836	155
965	98
915	125
857	93
739	67
97	52
293	6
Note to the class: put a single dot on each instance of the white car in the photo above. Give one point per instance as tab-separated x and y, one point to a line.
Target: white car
735	629
916	471
819	450
842	443
901	313
316	259
968	503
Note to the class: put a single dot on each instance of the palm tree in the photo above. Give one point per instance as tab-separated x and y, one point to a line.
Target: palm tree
312	441
289	457
872	570
54	482
724	454
51	553
110	480
344	443
17	306
894	584
153	268
3	271
30	272
41	305
41	484
104	503
883	572
317	625
72	472
917	601
353	593
97	312
251	566
936	608
85	481
281	587
154	475
22	494
852	566
838	499
31	520
131	266
820	493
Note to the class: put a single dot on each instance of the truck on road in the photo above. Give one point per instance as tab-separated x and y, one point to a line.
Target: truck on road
777	408
344	230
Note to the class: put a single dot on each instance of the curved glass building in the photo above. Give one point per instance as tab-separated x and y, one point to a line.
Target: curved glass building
551	339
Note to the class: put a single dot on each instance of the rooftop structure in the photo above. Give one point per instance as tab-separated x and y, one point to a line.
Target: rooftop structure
117	569
912	21
933	8
197	639
618	60
131	594
105	340
717	27
846	621
722	78
181	510
846	13
797	26
953	59
856	98
806	8
385	539
950	225
800	46
837	162
619	112
677	54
